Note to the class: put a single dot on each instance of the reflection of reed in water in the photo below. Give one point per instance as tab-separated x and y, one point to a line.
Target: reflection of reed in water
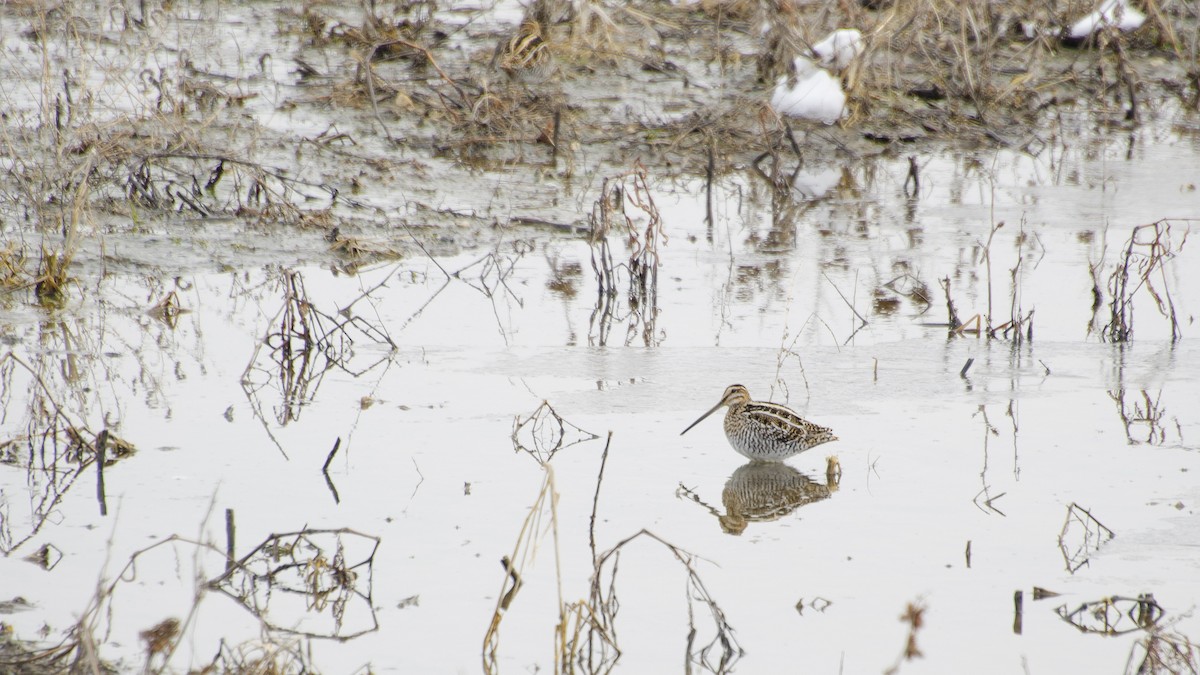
766	491
1115	615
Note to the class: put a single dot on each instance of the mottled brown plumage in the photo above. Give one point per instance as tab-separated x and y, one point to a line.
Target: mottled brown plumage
527	53
765	431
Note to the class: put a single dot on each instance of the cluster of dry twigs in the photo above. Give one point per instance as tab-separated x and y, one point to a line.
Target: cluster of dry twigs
545	432
1019	325
1081	536
312	565
120	137
626	209
1142	269
302	345
54	450
585	637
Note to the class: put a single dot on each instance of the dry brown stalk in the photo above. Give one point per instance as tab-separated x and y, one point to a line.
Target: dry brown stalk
1143	267
914	616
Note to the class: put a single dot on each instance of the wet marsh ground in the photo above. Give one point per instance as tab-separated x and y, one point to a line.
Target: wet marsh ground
360	340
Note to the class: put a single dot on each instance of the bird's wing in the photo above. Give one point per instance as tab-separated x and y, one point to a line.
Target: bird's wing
778	422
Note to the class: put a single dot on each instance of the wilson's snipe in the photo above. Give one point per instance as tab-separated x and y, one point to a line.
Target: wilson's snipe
527	51
765	431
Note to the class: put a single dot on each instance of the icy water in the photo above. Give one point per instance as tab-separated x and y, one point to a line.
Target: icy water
998	502
461	456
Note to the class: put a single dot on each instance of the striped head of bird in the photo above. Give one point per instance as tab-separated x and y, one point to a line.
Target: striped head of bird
735	394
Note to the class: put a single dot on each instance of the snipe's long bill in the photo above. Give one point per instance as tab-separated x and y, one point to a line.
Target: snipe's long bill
765	431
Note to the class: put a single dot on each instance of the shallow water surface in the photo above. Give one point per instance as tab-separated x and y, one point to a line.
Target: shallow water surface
462	454
1061	463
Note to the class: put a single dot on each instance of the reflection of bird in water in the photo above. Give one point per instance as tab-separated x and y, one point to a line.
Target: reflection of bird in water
766	491
765	431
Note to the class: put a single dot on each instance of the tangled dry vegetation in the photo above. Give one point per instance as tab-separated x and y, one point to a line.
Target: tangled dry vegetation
153	115
585	636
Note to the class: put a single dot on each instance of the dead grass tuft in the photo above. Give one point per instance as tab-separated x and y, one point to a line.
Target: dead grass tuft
1142	271
585	637
626	209
914	617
